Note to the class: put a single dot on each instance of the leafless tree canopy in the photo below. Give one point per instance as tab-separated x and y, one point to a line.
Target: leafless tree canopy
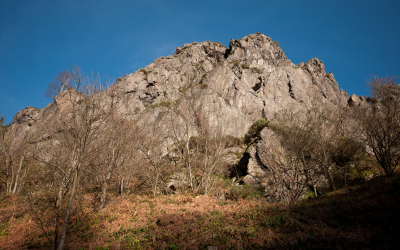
380	122
71	78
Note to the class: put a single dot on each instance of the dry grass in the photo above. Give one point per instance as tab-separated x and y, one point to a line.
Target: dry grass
367	217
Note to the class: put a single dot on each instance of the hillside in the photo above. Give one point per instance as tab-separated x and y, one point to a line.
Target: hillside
367	217
234	147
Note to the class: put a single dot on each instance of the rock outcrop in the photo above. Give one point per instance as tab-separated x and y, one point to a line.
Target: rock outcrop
266	166
252	78
233	86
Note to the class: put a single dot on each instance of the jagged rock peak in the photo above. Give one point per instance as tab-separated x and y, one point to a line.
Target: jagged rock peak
25	115
258	48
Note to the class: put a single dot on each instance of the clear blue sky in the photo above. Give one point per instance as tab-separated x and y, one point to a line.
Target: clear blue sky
39	38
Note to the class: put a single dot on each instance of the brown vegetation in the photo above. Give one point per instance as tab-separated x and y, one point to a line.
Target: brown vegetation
68	182
364	217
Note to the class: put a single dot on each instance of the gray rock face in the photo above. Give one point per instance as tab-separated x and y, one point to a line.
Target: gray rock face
26	115
252	78
232	86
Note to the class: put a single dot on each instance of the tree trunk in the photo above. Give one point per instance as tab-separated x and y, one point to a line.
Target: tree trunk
106	181
17	175
121	186
68	212
189	165
330	178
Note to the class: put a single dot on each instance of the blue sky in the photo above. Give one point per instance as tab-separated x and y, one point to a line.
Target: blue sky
39	38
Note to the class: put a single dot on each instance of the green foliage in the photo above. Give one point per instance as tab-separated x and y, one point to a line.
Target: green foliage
235	63
227	101
244	66
275	43
245	191
159	104
4	228
257	70
119	79
233	141
254	131
176	56
274	221
144	71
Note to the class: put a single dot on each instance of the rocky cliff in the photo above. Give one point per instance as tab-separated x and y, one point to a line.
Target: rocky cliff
230	87
252	78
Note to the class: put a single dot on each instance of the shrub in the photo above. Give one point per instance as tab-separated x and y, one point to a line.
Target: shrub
227	102
244	66
235	63
232	141
204	85
119	79
245	191
257	70
176	56
159	104
144	71
254	131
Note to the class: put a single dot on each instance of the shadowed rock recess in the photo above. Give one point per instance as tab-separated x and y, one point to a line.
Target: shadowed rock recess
251	79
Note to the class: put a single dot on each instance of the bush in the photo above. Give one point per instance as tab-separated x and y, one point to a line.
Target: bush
159	104
257	70
119	79
245	191
144	71
227	102
254	131
233	141
244	66
204	85
235	63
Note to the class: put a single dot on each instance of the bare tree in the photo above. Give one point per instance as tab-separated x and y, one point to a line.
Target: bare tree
14	156
119	139
316	140
70	144
380	122
72	78
152	145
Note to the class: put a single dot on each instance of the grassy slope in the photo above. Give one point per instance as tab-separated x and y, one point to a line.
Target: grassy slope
367	217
